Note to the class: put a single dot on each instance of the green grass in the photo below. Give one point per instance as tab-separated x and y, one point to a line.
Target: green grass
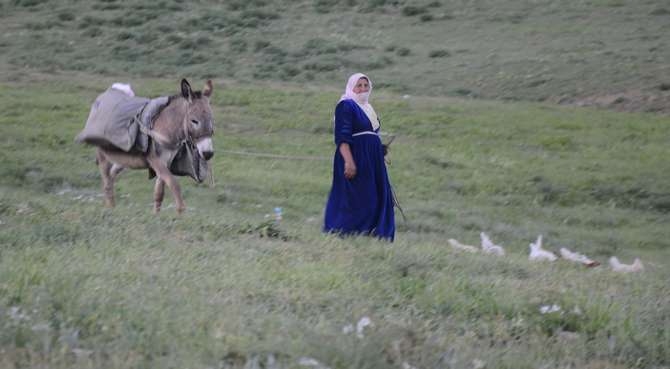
82	286
611	53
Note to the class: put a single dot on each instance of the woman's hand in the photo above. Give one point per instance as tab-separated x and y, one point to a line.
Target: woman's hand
349	163
349	169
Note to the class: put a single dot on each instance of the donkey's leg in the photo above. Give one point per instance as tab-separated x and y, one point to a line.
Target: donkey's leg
164	174
114	171
159	193
105	167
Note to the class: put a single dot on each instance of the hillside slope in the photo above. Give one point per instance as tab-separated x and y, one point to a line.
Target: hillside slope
605	52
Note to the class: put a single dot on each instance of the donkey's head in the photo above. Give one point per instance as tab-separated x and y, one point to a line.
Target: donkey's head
198	123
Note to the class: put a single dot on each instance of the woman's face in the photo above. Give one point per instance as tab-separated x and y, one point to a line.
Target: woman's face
362	86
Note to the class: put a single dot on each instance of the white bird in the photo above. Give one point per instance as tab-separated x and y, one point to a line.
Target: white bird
459	246
360	326
577	257
312	363
617	266
538	254
489	247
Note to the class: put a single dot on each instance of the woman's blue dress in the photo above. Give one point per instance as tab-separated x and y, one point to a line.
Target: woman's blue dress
364	204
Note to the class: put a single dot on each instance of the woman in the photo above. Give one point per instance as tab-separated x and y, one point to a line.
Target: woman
361	199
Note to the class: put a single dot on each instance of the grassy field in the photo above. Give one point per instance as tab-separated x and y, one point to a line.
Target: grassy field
610	53
82	286
484	97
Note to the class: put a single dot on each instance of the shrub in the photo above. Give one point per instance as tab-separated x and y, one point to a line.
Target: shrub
322	66
325	6
403	51
92	32
288	72
165	28
203	40
254	18
378	63
267	229
244	4
410	11
275	54
29	3
426	17
373	4
128	20
318	46
107	6
438	53
238	45
66	16
462	91
188	44
209	22
260	45
188	58
124	35
349	47
264	71
173	38
147	37
38	26
88	21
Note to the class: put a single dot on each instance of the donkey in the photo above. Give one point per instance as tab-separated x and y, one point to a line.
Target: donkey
185	118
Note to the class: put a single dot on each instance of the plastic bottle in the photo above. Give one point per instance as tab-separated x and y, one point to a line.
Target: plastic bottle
278	215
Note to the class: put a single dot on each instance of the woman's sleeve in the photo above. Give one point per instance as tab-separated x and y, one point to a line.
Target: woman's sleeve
343	123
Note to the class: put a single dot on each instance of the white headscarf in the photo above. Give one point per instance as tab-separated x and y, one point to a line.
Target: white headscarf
361	99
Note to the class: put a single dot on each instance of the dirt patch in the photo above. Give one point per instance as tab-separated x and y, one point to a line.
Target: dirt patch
628	101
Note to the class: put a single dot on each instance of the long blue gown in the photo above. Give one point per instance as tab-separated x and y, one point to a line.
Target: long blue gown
364	204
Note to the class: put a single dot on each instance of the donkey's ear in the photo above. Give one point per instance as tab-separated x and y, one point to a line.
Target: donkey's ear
207	91
186	91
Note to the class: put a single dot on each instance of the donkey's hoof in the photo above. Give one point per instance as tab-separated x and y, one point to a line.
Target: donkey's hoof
181	209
